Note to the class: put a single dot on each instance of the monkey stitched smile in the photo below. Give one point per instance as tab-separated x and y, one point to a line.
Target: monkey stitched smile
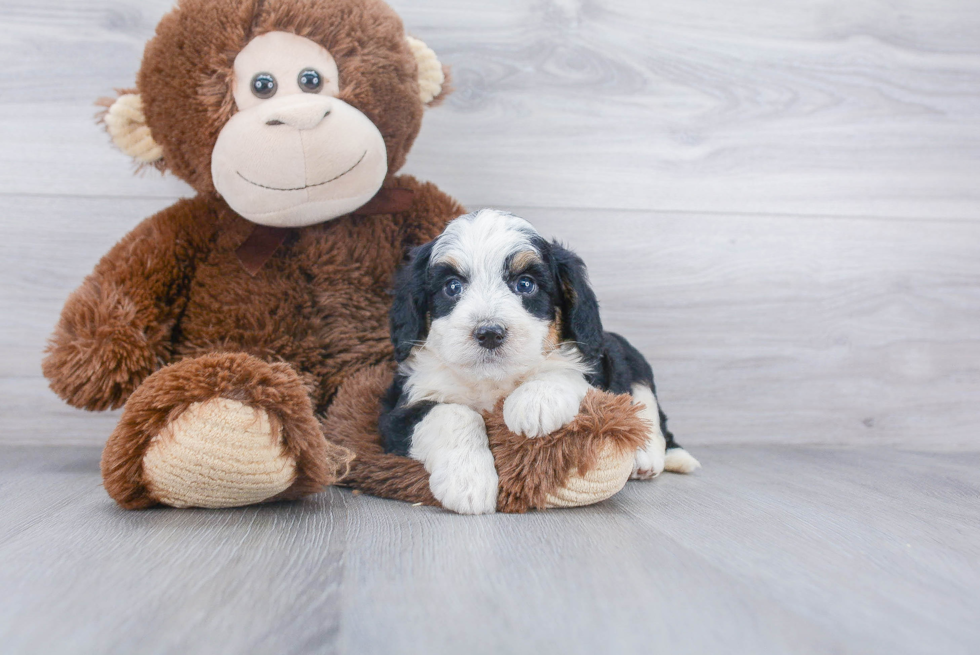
308	186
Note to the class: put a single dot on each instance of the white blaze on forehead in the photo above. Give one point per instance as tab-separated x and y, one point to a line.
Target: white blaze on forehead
480	243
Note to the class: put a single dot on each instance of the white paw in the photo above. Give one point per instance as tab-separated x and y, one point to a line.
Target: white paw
679	460
452	443
465	482
540	407
649	461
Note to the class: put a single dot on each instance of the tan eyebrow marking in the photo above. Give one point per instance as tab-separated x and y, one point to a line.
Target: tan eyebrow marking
448	260
524	259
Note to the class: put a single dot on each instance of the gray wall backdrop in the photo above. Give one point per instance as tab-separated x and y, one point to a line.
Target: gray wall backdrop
779	201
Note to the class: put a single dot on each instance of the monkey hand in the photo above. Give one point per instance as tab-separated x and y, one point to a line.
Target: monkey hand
101	349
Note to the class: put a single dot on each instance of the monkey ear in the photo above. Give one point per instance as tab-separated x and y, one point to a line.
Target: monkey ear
433	76
409	311
580	308
126	124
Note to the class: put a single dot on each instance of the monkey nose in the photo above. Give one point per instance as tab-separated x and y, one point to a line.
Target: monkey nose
490	336
301	112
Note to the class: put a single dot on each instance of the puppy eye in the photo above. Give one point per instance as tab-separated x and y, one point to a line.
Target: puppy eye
264	86
525	285
453	287
310	81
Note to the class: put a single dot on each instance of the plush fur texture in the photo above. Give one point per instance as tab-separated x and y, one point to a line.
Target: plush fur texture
174	288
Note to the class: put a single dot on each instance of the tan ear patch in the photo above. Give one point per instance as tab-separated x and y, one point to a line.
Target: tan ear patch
127	126
431	74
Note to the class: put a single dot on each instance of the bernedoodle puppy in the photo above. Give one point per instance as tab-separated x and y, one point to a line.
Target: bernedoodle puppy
490	310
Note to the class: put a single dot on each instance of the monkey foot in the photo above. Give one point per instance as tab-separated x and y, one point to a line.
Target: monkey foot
221	430
608	475
219	453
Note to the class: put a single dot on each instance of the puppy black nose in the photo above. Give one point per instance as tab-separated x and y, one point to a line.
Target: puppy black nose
490	336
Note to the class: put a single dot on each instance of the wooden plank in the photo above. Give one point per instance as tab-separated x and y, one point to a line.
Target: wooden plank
81	575
804	108
781	329
767	549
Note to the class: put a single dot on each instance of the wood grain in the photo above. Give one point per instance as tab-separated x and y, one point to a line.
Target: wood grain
768	549
813	107
262	580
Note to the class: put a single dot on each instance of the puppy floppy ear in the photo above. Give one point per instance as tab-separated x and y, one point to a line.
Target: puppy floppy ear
579	307
409	311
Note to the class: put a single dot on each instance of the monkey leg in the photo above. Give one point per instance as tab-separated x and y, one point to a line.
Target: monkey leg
220	430
585	462
582	463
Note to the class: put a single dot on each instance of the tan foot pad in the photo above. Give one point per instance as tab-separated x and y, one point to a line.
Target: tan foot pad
219	453
612	470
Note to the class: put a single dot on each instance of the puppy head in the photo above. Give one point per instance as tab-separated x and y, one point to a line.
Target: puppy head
492	298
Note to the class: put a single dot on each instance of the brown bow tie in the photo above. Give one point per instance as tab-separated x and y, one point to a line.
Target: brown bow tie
265	239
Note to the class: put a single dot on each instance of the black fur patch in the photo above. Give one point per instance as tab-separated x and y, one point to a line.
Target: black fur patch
440	303
407	317
398	421
581	323
620	367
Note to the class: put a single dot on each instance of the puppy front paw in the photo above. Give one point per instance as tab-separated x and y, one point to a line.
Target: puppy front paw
465	482
540	407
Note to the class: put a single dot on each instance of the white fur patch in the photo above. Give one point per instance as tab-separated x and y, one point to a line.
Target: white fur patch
451	441
680	461
650	460
545	402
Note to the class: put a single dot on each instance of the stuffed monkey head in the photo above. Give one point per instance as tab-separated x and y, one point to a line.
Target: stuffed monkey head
294	111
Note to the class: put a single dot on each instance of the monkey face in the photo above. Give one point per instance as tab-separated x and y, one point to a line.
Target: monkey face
294	154
295	111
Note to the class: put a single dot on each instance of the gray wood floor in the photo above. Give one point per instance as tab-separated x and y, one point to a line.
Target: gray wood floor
771	549
779	204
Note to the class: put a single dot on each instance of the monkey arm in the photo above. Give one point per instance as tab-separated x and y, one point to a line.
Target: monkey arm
116	328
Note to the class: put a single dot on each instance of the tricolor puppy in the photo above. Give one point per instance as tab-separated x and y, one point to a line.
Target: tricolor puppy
490	310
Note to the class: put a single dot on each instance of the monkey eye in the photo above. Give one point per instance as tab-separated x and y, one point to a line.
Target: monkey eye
310	81
453	287
264	85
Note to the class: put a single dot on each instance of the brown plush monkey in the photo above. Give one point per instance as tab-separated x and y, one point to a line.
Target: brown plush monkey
229	322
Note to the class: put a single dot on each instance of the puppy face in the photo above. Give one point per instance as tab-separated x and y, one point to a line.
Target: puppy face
490	297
